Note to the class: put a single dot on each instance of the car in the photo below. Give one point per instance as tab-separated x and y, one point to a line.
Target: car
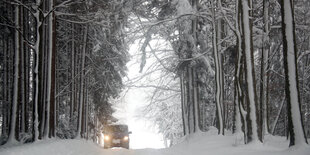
116	136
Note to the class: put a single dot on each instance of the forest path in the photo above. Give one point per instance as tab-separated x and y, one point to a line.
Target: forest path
197	144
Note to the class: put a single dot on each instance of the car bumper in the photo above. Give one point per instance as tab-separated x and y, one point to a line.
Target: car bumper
116	143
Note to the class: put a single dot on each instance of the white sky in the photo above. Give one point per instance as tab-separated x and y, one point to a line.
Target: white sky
144	134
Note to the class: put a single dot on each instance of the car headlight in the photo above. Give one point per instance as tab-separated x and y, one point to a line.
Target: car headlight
126	138
106	137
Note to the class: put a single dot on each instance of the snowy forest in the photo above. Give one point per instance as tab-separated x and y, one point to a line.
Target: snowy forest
242	66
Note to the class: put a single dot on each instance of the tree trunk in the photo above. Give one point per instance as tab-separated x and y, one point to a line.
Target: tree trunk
72	94
253	128
295	125
238	65
14	111
79	131
22	84
5	92
50	99
264	68
183	100
36	74
218	76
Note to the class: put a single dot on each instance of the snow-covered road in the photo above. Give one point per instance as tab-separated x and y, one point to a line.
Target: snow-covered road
198	144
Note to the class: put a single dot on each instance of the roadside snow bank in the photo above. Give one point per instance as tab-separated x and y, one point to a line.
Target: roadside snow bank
54	147
212	143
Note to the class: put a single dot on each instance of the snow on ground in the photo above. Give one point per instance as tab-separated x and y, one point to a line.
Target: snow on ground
198	144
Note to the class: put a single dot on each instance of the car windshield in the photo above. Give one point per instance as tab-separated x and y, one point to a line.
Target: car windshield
117	129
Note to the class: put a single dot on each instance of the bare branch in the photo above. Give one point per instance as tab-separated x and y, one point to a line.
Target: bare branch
30	44
154	86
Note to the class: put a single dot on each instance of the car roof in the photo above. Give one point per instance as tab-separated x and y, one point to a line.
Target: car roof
117	125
